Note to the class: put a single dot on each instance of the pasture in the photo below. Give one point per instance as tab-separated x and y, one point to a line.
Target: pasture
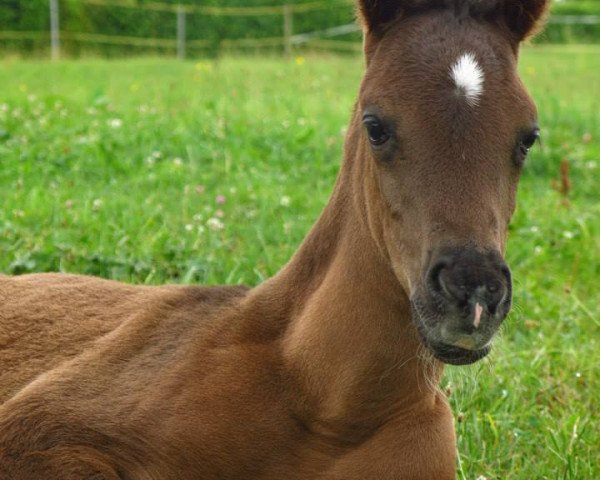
154	171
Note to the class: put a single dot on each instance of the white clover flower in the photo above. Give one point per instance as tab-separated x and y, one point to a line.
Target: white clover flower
215	224
115	123
285	201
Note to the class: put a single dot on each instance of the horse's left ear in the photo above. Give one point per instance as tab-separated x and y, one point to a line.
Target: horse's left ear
525	17
376	14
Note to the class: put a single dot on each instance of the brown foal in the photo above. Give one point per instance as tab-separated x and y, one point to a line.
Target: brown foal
329	369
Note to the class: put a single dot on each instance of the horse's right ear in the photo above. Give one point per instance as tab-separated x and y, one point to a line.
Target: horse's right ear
376	14
525	17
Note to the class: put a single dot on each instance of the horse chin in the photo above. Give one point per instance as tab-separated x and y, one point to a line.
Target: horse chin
456	355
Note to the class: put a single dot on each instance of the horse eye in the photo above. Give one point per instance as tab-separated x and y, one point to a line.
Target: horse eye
378	134
528	141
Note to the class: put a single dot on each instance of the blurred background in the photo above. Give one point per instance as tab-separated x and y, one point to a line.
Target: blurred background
162	142
194	28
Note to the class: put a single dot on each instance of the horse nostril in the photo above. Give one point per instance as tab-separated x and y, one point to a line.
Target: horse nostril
434	277
441	282
496	294
454	285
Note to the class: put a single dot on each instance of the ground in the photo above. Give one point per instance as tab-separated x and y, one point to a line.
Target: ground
152	171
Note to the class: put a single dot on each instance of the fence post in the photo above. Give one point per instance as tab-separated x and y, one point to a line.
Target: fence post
180	32
54	29
288	28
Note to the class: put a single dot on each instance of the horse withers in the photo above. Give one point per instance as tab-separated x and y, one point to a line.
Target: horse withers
329	370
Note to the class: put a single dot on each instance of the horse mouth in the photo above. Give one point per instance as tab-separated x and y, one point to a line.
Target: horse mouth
441	350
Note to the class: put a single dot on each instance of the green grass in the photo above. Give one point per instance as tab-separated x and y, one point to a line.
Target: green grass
575	7
153	171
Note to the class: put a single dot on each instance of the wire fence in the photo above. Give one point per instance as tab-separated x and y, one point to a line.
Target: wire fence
219	11
181	43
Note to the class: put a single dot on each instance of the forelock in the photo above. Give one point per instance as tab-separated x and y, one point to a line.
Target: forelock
472	7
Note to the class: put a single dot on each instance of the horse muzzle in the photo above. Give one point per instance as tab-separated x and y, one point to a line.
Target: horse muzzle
464	297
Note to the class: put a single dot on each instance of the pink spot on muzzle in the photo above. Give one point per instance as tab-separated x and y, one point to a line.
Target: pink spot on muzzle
478	312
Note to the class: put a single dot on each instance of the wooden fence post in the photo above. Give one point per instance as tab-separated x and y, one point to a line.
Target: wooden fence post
180	32
288	28
54	29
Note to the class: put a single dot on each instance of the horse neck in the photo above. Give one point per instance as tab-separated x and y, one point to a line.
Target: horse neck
344	319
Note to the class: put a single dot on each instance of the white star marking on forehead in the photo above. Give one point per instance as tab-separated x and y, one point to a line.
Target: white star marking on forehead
468	77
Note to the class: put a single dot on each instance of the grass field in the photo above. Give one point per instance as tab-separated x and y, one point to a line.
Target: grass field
152	171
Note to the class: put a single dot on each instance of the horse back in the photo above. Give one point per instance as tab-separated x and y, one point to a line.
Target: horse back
47	319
